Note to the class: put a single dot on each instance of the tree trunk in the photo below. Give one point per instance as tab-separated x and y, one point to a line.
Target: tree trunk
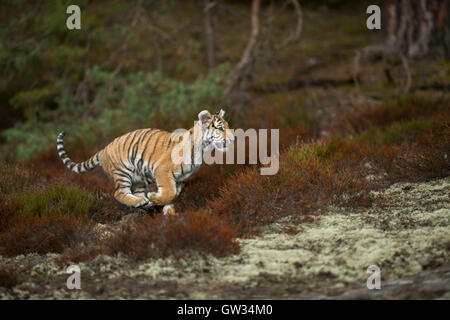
209	33
418	27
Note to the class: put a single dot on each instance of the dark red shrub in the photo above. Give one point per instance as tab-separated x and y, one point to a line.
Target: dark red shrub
31	234
8	277
160	236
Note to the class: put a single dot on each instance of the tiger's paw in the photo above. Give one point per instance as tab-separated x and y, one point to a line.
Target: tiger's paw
152	195
169	210
145	203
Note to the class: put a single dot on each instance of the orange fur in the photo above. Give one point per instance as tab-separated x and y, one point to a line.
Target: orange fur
144	156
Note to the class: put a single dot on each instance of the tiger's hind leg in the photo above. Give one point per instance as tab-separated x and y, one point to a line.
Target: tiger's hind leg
124	195
139	189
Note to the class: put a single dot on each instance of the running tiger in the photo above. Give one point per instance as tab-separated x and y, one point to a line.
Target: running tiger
139	158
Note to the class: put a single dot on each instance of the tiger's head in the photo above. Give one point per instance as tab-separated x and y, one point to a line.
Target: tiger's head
216	132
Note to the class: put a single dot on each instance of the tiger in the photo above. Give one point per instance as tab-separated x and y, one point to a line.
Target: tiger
143	157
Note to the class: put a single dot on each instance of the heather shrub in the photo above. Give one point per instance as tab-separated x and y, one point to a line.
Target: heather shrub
14	178
310	176
160	236
56	199
8	277
422	158
42	216
80	253
25	192
32	234
401	111
397	131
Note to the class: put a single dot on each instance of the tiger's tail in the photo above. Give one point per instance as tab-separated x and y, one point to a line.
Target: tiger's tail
80	167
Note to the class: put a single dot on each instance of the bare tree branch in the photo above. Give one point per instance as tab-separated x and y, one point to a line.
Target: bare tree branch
246	59
294	37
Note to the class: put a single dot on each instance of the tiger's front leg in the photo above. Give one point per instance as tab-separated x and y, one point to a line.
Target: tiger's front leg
166	191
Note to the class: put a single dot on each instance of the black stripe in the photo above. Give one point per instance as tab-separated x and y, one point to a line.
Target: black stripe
142	140
170	142
131	144
123	174
192	154
124	165
126	139
126	182
136	147
90	164
148	142
123	170
154	148
139	165
120	192
143	136
165	141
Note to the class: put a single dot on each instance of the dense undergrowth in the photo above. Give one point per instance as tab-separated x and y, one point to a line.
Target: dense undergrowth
46	210
108	89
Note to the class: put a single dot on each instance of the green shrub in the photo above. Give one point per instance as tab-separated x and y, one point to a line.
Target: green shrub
15	179
57	199
118	105
397	132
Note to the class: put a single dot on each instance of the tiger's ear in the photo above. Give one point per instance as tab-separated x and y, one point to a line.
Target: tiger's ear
204	117
221	113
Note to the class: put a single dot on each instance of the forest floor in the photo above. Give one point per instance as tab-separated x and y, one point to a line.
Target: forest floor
315	249
406	235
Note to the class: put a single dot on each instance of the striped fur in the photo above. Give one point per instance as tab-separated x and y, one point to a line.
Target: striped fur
142	157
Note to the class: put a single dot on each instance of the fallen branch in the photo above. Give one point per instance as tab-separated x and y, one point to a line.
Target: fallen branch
389	57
